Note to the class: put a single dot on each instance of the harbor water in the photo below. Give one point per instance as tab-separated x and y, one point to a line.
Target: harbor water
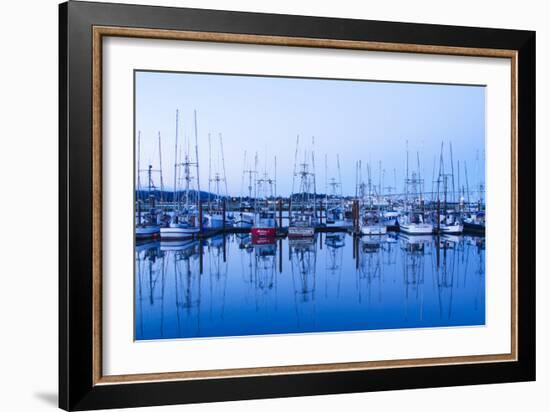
229	286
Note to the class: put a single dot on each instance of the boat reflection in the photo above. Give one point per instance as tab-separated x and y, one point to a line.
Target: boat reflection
234	285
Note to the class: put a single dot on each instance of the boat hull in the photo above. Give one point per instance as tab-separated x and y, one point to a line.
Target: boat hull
263	232
451	229
474	228
147	232
297	232
417	229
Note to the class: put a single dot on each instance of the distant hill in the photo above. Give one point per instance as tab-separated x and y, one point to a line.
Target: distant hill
168	196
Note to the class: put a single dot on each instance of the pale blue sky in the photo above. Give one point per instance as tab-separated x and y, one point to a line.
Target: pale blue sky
359	120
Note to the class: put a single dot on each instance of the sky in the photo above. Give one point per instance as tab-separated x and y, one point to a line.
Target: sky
373	122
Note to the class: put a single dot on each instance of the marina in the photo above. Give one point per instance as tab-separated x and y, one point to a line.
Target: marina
189	213
241	229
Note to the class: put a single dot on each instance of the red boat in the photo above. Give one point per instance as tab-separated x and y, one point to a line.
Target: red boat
263	232
263	240
264	226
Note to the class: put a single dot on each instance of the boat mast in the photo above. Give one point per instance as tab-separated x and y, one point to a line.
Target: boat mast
223	166
326	182
209	173
242	178
275	176
314	179
458	183
255	182
420	186
160	167
407	176
467	186
175	200
452	173
197	161
138	177
294	175
340	179
379	183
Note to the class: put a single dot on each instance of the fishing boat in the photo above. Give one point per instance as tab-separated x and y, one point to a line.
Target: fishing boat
303	213
414	224
144	231
475	223
334	199
450	223
371	224
179	230
370	213
244	217
147	222
146	226
217	216
414	221
448	220
302	226
184	222
335	217
390	219
265	225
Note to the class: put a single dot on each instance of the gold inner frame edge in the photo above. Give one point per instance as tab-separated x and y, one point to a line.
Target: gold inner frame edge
101	31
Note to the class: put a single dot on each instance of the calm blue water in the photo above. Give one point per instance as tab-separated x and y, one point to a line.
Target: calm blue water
226	286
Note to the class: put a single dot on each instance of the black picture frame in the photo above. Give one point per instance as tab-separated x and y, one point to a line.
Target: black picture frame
77	390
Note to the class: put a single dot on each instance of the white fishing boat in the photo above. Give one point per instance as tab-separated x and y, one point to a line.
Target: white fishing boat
454	228
303	213
244	219
301	228
184	222
413	221
414	224
371	224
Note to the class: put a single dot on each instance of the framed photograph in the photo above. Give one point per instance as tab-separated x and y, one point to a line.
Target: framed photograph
256	205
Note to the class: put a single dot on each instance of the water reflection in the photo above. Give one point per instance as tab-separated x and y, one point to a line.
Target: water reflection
230	286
